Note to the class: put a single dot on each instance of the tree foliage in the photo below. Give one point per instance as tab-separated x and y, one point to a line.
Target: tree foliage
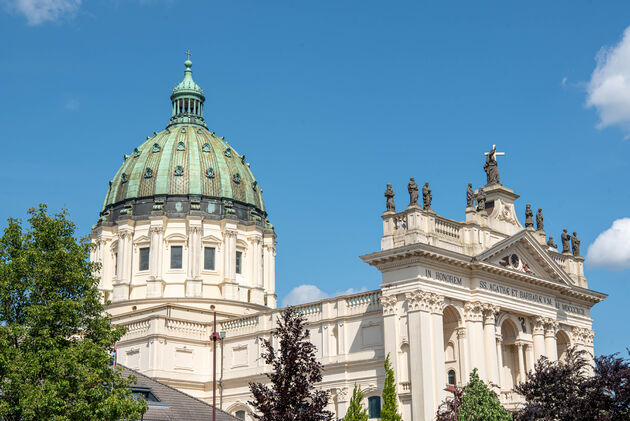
291	396
475	402
389	412
572	389
55	340
448	409
356	410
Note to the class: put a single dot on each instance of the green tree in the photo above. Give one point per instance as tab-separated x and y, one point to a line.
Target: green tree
390	399
479	403
356	410
55	340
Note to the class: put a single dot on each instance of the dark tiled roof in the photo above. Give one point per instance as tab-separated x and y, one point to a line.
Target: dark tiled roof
181	406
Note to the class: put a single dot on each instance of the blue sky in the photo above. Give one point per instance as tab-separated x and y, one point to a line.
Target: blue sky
331	100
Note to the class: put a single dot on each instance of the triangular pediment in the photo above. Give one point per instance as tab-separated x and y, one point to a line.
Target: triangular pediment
522	253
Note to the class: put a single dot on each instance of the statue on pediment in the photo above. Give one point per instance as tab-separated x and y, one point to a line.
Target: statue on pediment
413	192
529	216
389	194
540	225
427	196
566	241
575	244
551	244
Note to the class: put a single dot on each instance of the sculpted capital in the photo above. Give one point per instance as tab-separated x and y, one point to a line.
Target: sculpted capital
418	300
473	311
490	312
538	324
389	304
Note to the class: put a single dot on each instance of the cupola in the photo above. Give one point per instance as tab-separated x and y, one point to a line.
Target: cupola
187	100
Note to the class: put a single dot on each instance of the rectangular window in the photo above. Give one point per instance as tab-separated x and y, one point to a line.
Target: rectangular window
144	258
176	257
374	406
208	258
239	262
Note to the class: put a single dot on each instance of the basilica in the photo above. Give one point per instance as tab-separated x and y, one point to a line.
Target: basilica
183	233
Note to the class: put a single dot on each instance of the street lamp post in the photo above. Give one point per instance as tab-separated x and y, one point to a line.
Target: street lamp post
214	337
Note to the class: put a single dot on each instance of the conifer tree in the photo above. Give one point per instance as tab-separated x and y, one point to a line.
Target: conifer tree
356	410
390	398
291	396
480	403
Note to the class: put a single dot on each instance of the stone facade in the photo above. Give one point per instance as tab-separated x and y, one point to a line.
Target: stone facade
484	293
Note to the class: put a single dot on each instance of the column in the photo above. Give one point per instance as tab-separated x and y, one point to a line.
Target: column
474	324
521	362
489	332
258	293
154	232
155	283
390	331
439	373
577	334
538	335
230	256
269	263
551	326
463	356
420	363
529	357
499	341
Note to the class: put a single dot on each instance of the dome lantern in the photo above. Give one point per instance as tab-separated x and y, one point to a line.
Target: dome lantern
187	100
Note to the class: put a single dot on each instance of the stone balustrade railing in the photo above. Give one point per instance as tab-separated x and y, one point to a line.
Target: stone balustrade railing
309	309
181	326
446	228
239	323
367	299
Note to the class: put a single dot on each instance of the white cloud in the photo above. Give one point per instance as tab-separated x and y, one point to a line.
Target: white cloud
609	87
611	248
307	293
40	11
303	294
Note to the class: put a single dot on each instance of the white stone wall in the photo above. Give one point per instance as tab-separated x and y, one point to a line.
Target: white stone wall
118	251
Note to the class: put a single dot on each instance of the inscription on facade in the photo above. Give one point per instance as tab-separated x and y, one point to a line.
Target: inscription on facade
532	297
444	277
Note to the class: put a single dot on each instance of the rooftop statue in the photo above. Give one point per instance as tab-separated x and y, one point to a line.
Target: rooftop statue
413	192
540	225
551	244
427	197
481	199
491	166
575	244
389	194
529	216
470	196
566	241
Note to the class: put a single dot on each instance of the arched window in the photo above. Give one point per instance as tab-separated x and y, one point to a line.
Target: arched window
240	415
451	377
374	406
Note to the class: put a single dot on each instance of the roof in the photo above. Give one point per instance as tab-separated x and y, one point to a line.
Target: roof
185	160
180	406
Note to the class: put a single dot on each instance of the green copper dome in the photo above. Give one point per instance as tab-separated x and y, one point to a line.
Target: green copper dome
187	166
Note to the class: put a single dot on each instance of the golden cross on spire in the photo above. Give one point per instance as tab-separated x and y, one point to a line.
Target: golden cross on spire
188	54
